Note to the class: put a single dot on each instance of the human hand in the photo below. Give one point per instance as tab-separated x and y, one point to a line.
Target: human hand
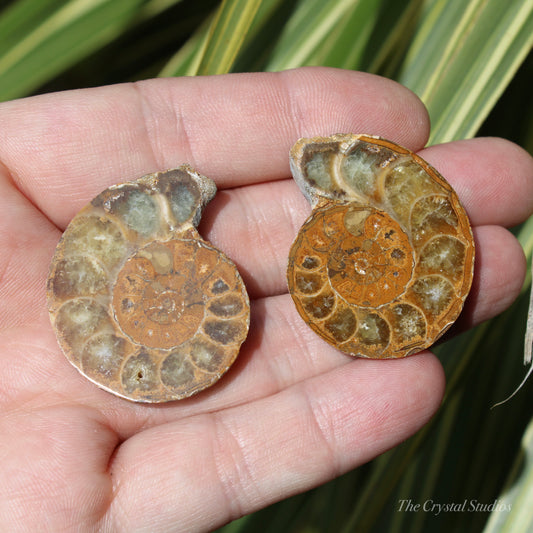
292	412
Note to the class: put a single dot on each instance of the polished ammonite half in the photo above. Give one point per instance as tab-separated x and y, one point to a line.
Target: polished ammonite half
141	304
383	265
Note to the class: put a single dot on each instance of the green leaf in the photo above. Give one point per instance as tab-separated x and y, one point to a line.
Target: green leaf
462	58
328	33
186	60
514	512
393	31
226	36
38	43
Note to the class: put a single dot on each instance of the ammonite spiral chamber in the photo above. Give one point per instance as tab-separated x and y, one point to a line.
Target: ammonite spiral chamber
383	265
141	304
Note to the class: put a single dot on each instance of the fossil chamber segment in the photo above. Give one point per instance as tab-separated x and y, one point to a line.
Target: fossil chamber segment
384	263
140	303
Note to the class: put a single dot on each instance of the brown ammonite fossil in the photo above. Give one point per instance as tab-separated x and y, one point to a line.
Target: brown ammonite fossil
140	303
383	265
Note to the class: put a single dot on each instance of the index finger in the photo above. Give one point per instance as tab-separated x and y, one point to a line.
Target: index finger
62	149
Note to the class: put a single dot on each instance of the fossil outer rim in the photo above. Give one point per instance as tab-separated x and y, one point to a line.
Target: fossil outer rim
123	225
349	171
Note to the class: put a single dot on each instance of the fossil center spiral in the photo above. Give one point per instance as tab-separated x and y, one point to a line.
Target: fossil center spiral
371	262
156	300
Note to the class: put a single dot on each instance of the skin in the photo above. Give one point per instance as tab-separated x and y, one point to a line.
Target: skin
292	412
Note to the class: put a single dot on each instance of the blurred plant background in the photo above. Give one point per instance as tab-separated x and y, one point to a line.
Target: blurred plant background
471	63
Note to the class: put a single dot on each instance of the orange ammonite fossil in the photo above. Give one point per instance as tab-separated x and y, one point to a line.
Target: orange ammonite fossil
383	265
141	304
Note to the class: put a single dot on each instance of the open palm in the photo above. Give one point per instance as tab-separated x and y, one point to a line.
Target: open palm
292	412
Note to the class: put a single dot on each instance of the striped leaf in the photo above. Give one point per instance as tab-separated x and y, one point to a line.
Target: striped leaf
514	512
37	43
226	35
463	57
328	33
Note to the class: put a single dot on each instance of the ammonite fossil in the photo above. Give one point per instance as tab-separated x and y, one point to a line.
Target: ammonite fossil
383	265
141	304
